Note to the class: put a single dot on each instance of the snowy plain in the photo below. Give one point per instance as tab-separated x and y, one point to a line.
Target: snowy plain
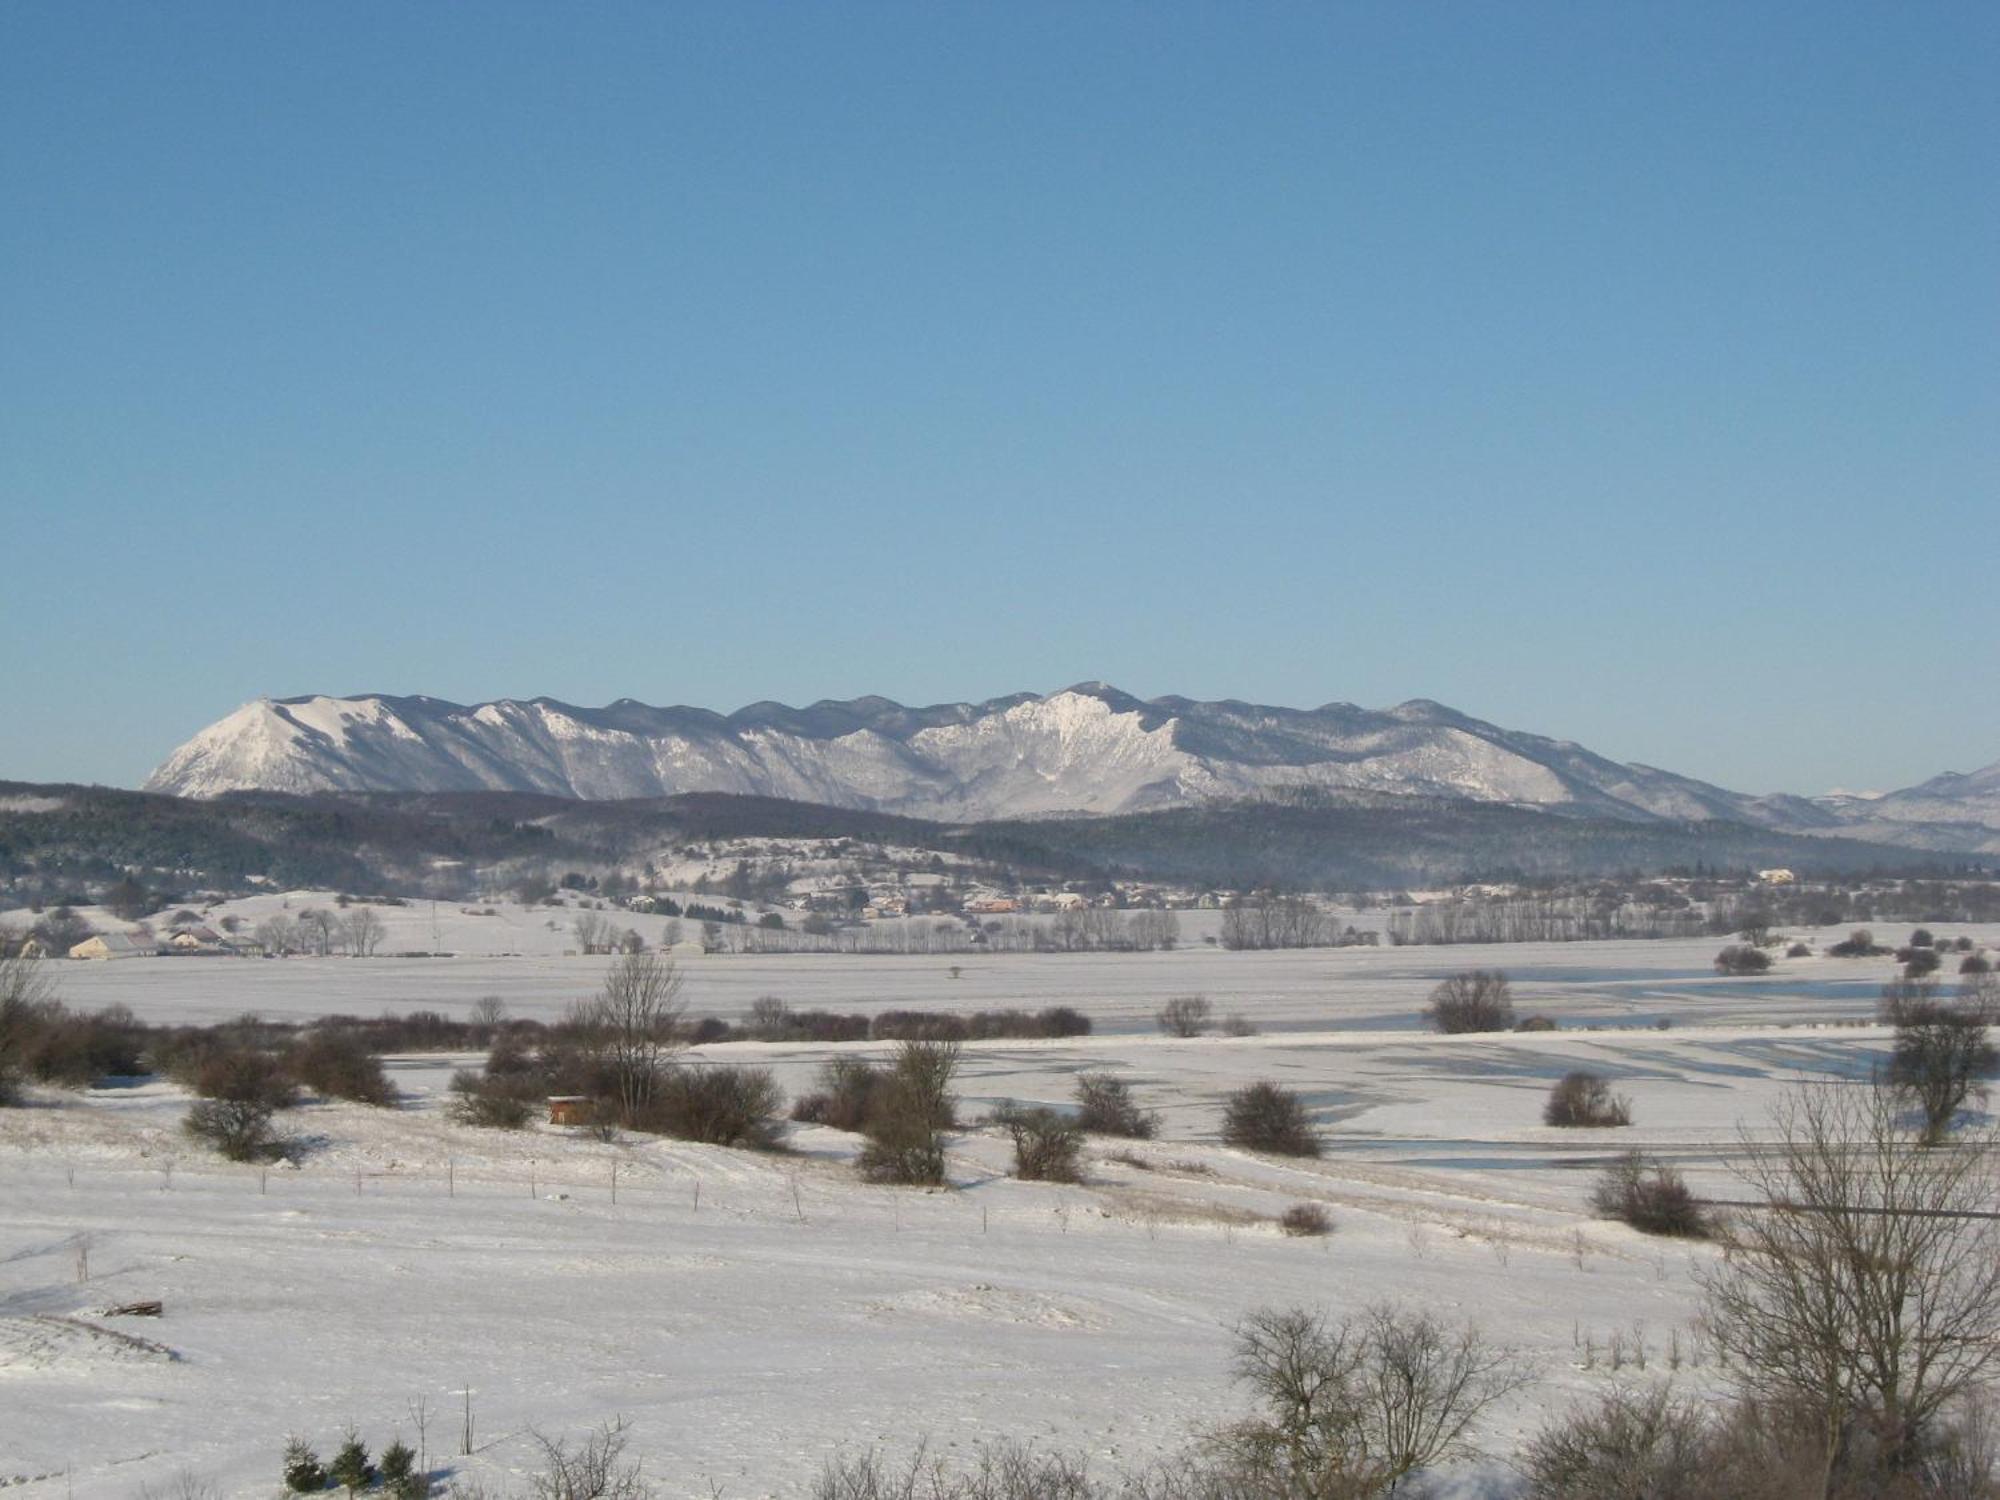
750	1315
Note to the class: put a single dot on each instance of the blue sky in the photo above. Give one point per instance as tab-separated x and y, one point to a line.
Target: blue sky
1625	373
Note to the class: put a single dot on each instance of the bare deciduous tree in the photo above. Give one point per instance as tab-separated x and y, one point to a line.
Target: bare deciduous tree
593	933
278	935
1353	1408
362	931
27	989
635	1027
1942	1056
315	931
1866	1292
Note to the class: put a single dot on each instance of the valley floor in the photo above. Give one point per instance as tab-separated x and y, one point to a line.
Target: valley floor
750	1315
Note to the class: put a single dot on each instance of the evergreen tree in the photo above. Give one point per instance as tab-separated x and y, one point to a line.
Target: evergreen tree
350	1465
304	1473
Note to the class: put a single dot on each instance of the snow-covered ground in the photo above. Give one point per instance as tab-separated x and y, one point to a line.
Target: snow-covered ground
792	1311
527	957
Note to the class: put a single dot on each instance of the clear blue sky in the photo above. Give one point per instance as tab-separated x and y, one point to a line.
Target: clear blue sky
1629	373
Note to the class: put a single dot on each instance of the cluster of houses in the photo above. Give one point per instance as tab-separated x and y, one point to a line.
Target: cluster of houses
190	939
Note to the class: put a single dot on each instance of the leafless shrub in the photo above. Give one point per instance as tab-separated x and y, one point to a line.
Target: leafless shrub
1742	959
1006	1471
337	1064
1353	1408
1650	1196
499	1101
1105	1106
846	1092
245	1075
1630	1445
185	1485
1047	1144
595	1469
721	1106
1267	1117
239	1128
1585	1099
1305	1219
1185	1015
1477	1000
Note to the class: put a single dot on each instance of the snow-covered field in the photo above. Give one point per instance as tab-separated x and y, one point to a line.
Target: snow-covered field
791	1311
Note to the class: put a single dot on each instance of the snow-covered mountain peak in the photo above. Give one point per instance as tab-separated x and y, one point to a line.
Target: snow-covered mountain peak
1085	748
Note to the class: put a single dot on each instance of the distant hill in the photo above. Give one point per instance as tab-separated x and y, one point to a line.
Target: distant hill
1089	749
66	839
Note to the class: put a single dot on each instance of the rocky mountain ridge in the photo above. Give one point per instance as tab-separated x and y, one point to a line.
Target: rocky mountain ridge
1085	749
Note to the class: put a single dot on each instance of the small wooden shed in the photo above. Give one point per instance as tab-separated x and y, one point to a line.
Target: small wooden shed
570	1109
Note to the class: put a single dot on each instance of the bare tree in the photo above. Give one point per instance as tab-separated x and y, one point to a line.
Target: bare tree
1477	1000
1424	1385
1942	1056
278	934
315	931
593	933
362	931
27	992
635	1027
1354	1408
1154	930
908	1111
1266	919
1867	1292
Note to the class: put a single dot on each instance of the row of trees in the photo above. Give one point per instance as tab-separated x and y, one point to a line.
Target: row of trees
1541	919
357	932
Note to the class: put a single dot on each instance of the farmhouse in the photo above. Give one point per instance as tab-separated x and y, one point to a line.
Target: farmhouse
109	945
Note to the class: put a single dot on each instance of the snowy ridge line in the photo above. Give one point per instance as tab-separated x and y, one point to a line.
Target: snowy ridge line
1086	749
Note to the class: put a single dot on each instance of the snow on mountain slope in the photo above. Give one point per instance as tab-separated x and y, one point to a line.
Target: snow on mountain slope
1089	748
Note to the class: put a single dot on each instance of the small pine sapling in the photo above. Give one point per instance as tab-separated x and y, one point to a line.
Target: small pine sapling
304	1473
399	1473
350	1466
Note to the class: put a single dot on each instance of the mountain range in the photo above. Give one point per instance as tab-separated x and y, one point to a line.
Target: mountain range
1089	749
